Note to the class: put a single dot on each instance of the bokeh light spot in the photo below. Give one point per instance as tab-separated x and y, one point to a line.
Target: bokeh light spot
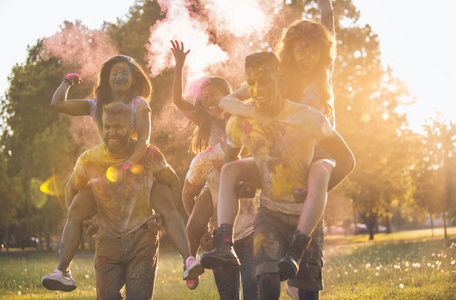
112	174
137	169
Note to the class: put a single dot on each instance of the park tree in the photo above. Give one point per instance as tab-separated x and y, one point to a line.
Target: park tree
11	201
435	174
367	98
35	139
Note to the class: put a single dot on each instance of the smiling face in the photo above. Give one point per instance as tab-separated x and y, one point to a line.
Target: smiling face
210	98
120	78
116	132
306	55
263	84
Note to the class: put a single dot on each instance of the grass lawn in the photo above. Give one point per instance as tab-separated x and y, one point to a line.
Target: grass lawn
402	265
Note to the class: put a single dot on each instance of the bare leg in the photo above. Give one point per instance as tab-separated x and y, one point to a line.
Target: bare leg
233	172
314	206
83	207
197	222
161	200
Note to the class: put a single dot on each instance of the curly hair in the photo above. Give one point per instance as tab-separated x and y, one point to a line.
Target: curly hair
141	85
317	33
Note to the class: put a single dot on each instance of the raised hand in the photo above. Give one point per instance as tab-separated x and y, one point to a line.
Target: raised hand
179	53
72	78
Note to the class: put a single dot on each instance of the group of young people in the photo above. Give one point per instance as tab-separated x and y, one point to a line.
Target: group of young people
259	217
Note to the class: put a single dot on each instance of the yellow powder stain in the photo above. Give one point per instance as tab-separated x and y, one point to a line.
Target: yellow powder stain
281	182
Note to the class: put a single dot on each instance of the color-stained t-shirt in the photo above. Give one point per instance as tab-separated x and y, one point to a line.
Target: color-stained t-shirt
137	104
202	170
122	198
283	164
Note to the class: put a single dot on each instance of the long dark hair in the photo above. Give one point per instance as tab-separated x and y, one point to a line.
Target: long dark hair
141	85
292	87
199	139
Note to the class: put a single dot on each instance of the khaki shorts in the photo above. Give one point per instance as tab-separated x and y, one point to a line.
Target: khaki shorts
273	232
130	260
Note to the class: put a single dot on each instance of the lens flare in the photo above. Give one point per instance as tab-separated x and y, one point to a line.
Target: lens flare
49	187
365	118
39	199
137	169
112	174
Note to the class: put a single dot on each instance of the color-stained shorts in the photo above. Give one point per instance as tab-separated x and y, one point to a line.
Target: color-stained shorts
129	260
273	234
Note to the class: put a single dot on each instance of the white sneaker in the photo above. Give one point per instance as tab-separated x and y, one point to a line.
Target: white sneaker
192	268
59	281
293	292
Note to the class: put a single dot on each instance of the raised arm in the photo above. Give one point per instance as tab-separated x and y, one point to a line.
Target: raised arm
183	105
336	147
74	107
327	14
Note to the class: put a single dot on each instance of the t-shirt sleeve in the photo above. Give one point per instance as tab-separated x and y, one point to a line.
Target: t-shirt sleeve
321	128
234	128
140	104
158	161
92	106
198	170
80	168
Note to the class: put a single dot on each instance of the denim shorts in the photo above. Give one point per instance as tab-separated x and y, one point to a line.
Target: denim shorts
272	237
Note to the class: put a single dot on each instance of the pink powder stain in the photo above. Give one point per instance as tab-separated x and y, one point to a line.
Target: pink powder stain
210	149
248	127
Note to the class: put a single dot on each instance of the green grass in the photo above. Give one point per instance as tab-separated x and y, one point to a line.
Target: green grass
403	265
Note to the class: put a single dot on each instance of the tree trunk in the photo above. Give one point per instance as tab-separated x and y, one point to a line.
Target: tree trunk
388	224
432	224
7	239
371	223
445	226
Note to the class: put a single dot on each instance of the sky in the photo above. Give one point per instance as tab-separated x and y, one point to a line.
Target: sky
415	41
